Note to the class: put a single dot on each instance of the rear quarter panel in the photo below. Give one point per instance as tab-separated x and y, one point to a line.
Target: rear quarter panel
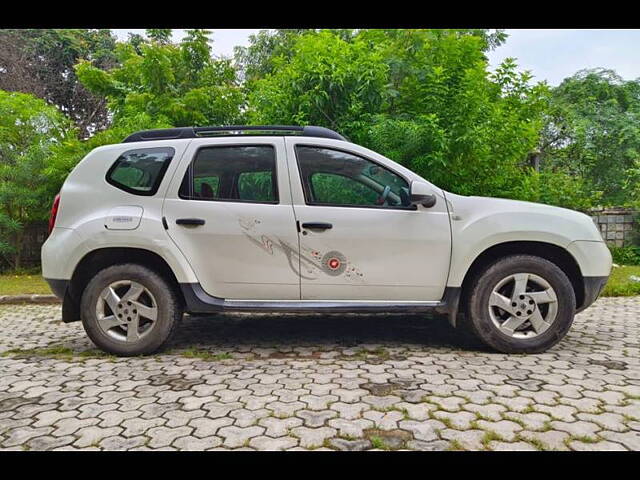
86	199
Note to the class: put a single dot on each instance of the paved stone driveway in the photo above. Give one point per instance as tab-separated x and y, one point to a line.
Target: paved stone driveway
341	382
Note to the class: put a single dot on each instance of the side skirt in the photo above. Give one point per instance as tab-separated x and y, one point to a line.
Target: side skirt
200	302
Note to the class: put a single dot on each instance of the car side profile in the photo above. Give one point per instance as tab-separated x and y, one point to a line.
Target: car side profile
201	220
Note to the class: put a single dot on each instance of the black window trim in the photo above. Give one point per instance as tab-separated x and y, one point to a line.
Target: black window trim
343	150
189	172
158	181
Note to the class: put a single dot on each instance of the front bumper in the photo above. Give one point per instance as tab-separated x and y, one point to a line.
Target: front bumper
594	258
592	289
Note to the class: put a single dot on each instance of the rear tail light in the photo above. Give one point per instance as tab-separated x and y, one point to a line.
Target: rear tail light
54	213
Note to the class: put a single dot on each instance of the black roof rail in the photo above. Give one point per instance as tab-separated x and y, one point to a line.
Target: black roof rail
232	130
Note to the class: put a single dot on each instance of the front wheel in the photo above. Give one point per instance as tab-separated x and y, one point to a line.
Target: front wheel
521	304
129	310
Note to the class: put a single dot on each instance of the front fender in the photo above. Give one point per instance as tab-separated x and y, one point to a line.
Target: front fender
480	223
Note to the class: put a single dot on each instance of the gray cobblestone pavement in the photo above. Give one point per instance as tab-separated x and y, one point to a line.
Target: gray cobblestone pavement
311	382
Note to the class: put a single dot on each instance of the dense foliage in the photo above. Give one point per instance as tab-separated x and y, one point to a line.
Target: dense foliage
181	84
41	62
25	190
593	132
422	98
425	98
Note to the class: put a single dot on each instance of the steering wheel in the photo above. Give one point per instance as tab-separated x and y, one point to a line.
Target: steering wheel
383	198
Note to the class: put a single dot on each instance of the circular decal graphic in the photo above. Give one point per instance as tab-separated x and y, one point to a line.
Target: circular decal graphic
334	263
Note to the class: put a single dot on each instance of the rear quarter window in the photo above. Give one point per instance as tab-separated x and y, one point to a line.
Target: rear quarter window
140	171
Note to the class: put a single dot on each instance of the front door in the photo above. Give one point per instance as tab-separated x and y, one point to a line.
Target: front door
357	240
229	211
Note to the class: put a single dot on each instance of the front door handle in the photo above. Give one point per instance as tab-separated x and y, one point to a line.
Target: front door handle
190	221
317	226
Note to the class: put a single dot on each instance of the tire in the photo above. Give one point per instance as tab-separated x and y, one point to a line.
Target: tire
110	328
487	320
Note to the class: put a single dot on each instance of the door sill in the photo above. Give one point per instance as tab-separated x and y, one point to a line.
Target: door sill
200	302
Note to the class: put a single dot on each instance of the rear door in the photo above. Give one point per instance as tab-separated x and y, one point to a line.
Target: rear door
229	211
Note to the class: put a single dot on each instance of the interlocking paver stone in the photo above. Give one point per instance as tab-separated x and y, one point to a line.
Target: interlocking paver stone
350	428
164	436
198	444
269	443
90	436
322	383
237	436
313	437
139	426
550	440
349	445
505	428
630	439
425	431
205	427
577	429
514	446
277	427
596	447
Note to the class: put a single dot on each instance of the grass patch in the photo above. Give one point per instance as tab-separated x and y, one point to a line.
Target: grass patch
619	284
455	445
58	352
515	420
537	443
20	284
583	439
205	355
528	409
490	436
377	442
546	426
364	354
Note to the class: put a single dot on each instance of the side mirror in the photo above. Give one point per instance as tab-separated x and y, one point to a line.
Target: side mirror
421	194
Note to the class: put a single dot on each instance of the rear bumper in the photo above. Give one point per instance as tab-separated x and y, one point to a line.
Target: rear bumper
592	288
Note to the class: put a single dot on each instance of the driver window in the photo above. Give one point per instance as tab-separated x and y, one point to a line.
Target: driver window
333	177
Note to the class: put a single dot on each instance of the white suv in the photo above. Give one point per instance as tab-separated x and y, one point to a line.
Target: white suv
298	219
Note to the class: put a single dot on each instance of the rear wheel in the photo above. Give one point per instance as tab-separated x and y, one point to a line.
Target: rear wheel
521	304
129	310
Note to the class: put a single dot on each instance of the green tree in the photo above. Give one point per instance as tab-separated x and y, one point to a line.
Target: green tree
160	35
41	61
176	84
257	59
422	97
593	131
66	153
28	130
327	81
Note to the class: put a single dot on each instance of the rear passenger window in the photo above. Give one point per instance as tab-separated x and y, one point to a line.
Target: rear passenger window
140	171
235	173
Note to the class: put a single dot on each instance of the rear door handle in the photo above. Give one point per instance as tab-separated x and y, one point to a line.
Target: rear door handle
190	221
317	226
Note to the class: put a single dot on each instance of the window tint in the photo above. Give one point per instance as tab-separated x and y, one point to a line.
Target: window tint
333	177
256	186
331	188
237	173
140	171
206	186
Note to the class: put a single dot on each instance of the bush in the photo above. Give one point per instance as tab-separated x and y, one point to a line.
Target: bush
557	188
629	255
